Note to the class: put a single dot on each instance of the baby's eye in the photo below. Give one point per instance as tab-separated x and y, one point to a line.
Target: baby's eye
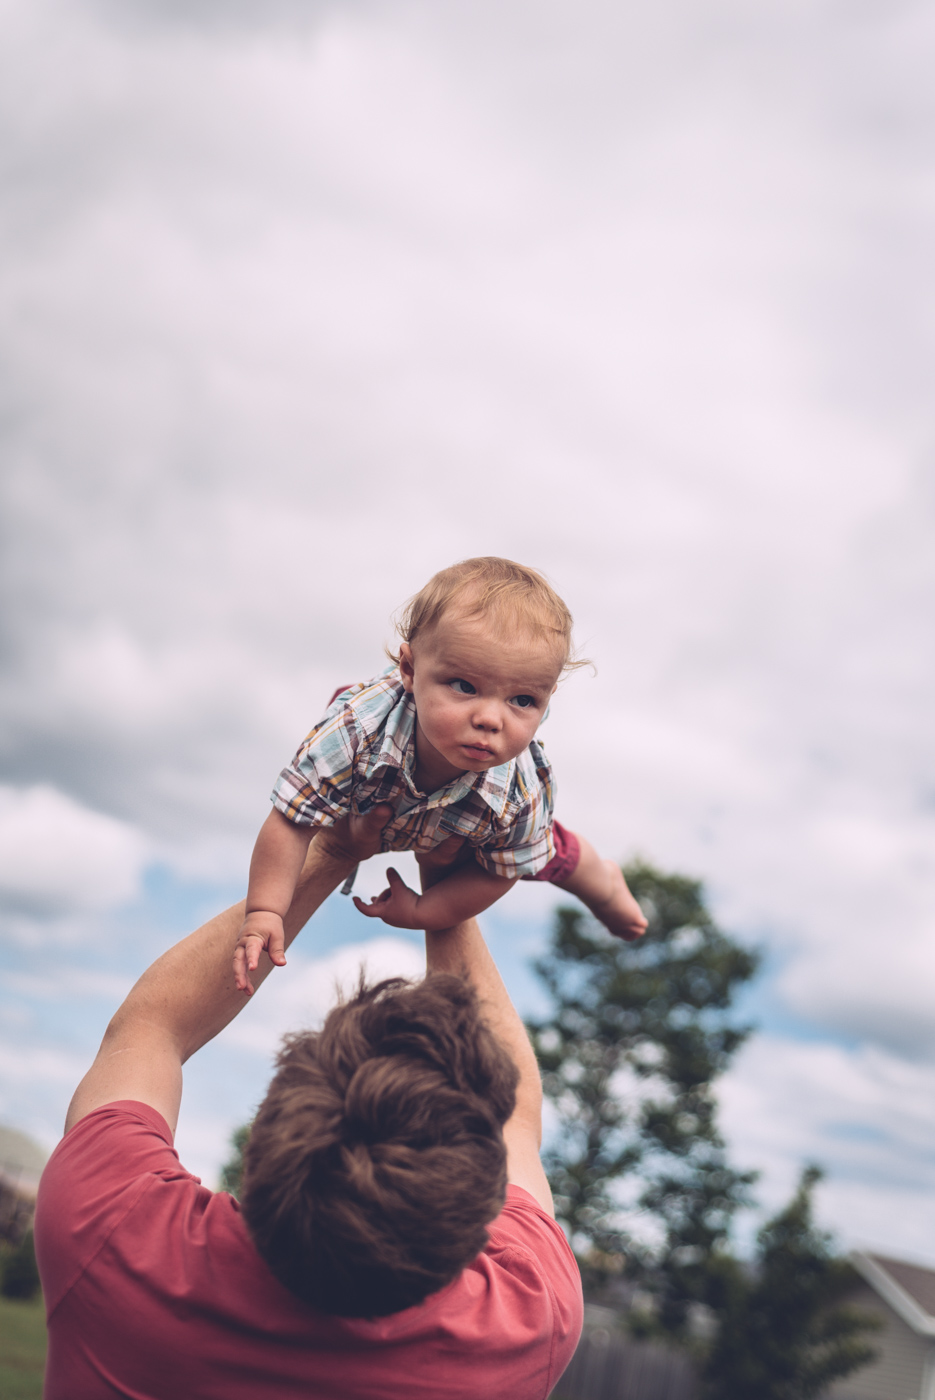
524	701
462	687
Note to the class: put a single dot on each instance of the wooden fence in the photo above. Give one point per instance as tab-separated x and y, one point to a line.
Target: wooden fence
609	1366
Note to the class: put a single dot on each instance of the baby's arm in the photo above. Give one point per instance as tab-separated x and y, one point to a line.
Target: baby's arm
278	857
467	891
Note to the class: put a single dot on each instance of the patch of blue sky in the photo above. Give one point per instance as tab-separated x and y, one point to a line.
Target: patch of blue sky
858	1133
761	1005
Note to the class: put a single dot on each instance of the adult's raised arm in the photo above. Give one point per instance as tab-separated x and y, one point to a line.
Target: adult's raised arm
462	950
188	995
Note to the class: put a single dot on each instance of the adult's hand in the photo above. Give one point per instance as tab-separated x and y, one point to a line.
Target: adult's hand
355	838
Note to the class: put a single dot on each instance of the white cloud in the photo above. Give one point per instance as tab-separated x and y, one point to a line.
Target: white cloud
300	998
36	1086
26	1066
56	854
69	983
864	1114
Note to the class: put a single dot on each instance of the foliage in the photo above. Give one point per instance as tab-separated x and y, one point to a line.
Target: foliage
16	1212
232	1170
695	1204
637	1036
20	1276
784	1331
653	1019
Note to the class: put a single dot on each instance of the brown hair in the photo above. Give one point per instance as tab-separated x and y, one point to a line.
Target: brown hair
377	1157
514	596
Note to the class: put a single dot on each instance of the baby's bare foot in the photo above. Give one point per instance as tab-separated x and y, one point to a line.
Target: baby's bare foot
618	911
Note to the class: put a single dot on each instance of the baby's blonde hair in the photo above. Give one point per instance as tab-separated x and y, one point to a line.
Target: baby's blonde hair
515	597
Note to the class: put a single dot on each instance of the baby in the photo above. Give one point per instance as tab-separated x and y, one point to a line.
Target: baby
446	740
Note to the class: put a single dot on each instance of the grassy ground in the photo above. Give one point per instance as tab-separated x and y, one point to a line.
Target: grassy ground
22	1349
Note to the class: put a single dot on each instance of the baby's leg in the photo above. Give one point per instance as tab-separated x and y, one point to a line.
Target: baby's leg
600	885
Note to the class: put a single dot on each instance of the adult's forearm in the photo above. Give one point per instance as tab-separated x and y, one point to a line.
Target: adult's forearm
462	950
189	993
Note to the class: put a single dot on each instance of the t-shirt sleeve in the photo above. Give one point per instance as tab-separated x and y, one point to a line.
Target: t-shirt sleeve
524	1230
315	789
523	845
93	1178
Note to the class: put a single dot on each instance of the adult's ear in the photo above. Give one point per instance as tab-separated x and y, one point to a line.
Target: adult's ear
406	669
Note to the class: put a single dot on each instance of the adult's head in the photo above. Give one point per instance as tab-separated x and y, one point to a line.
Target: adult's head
377	1160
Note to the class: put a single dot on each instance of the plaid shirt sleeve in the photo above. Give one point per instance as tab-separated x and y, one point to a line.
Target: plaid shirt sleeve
523	843
315	789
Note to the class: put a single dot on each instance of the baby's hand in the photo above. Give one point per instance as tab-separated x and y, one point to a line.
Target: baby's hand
397	906
260	930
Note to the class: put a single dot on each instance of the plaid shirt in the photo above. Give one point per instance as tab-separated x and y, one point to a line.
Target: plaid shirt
363	753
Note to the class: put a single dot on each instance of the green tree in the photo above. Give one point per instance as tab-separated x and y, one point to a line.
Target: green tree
20	1275
784	1329
232	1170
637	1035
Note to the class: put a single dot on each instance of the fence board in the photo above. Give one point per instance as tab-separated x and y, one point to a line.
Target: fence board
609	1366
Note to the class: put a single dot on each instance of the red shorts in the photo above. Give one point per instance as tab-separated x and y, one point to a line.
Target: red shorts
567	849
565	860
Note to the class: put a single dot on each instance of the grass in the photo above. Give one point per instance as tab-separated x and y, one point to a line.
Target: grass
22	1349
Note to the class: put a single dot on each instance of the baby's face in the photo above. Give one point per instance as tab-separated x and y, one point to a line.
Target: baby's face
479	697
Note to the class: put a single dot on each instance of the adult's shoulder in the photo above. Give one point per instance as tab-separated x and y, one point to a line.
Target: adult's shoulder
107	1150
96	1175
523	1222
531	1248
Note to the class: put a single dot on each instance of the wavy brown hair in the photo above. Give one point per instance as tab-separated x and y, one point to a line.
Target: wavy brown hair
377	1160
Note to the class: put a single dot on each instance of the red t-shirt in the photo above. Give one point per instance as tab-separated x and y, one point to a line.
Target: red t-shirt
154	1290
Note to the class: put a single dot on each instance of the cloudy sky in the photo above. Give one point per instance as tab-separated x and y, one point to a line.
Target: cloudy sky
301	301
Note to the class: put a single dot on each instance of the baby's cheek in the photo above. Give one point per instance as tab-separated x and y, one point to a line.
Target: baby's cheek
522	734
448	731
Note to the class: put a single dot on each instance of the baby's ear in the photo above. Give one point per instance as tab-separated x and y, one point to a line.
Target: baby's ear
405	666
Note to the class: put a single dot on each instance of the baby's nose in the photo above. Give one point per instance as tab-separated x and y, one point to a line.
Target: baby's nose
487	715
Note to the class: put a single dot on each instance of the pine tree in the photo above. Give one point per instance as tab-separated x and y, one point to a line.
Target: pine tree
636	1038
19	1274
232	1170
784	1330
